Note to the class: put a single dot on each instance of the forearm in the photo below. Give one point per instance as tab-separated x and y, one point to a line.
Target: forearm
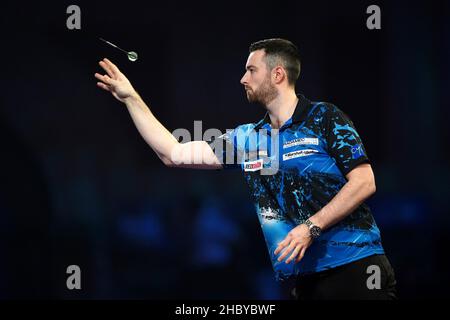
193	154
154	133
352	194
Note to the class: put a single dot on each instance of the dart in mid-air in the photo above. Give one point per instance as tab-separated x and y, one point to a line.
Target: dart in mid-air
132	56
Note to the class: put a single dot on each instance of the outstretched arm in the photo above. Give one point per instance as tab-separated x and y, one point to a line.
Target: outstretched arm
195	154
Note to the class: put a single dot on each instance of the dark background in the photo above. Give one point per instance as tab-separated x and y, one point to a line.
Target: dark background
80	186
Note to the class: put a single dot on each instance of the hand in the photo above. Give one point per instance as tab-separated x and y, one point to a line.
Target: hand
296	241
115	81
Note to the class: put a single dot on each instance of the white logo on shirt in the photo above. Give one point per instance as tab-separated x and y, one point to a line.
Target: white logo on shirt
301	141
299	153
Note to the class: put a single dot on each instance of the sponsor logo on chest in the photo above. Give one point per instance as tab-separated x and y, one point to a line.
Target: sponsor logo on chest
253	165
300	141
299	153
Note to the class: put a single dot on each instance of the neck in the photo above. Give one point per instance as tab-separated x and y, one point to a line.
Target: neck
282	108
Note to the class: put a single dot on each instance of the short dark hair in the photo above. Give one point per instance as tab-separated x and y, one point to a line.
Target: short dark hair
280	51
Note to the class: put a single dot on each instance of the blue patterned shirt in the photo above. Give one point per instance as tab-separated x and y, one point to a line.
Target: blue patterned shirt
293	172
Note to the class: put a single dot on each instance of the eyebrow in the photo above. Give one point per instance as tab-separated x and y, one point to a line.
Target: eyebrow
250	66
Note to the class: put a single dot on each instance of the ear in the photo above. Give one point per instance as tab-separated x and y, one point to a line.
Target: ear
278	74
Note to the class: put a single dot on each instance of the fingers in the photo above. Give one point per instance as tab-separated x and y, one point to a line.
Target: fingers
107	68
282	244
286	251
280	247
294	254
99	76
300	256
290	244
103	86
106	79
112	66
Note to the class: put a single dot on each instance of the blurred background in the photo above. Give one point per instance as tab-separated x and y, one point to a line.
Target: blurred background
80	186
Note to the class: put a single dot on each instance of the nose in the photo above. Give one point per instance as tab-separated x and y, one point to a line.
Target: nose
244	79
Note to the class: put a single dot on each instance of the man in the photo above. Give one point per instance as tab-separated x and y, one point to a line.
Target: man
306	168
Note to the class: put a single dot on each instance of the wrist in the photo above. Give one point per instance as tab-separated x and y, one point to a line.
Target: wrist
314	230
317	220
132	98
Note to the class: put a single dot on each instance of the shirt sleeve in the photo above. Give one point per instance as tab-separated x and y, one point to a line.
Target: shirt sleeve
343	141
226	149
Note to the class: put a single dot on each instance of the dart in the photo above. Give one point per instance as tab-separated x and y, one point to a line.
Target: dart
132	56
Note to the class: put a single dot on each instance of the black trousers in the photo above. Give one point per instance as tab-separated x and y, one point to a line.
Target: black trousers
370	278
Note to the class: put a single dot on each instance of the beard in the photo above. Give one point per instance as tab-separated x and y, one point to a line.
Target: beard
264	94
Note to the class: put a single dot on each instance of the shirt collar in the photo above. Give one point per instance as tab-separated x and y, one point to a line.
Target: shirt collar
298	116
